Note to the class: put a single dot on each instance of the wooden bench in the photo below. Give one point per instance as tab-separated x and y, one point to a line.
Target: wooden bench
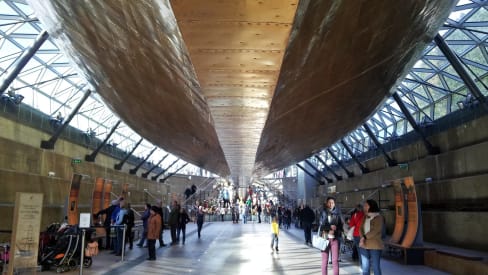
456	263
413	255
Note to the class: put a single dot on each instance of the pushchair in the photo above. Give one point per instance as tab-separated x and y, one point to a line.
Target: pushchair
347	244
65	253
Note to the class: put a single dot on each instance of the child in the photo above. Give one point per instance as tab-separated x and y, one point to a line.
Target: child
275	231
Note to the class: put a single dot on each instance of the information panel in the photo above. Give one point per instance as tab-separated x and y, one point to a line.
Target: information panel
25	231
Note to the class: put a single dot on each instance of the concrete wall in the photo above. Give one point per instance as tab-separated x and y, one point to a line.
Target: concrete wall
24	167
452	186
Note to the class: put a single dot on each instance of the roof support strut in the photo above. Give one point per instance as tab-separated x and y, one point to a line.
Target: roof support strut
119	165
133	171
458	67
329	180
23	60
320	181
49	144
361	166
144	175
431	149
92	156
391	162
349	173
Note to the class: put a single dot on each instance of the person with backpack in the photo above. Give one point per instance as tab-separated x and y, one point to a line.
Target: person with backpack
371	243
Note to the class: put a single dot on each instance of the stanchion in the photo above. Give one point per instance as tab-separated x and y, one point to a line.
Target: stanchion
82	257
123	242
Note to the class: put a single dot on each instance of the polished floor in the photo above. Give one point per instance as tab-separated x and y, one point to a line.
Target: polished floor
227	248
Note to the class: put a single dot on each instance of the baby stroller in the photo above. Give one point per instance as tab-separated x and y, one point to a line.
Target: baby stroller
65	253
347	243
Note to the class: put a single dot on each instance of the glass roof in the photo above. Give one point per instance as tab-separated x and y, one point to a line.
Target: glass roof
52	85
431	90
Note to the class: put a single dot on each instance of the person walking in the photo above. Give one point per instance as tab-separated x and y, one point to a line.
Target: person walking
200	219
356	220
184	219
154	225
370	243
275	231
174	217
159	210
331	228
307	217
144	218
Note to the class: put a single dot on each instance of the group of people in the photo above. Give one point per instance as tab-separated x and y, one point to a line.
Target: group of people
119	216
368	226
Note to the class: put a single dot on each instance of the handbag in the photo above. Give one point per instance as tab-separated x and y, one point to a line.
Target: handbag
319	242
350	233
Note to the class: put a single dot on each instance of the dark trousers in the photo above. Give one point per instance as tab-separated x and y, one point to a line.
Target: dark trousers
182	229
173	233
199	228
161	241
129	237
307	230
107	237
151	247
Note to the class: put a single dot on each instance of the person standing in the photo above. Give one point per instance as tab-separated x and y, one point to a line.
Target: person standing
108	221
307	217
200	219
154	225
259	209
331	228
184	219
129	237
356	220
275	231
159	211
174	217
121	225
144	218
371	244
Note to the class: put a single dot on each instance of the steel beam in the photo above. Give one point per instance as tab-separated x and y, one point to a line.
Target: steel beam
320	181
172	174
322	173
49	144
391	162
119	165
144	175
164	170
133	171
349	173
361	166
93	155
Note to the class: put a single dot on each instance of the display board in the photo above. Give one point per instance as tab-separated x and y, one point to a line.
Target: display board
107	191
73	213
413	213
399	212
25	231
97	196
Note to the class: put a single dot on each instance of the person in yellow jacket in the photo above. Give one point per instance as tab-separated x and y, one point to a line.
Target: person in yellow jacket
153	232
275	231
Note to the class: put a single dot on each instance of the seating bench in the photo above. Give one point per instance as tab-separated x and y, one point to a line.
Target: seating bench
413	255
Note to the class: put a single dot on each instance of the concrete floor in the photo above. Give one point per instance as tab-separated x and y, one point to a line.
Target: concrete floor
227	248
